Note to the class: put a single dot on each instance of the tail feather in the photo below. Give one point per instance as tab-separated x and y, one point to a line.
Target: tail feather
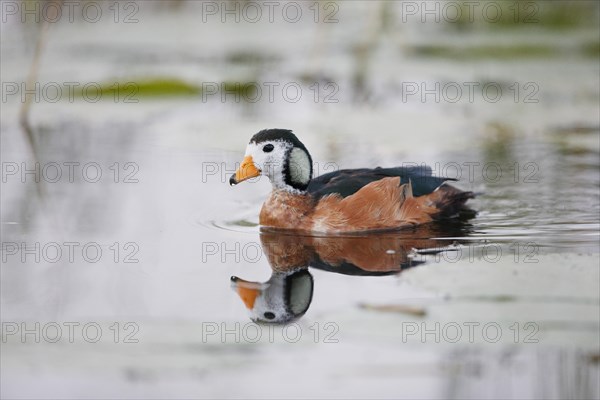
449	200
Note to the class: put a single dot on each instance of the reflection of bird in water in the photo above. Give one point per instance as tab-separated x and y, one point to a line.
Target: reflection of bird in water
351	200
288	293
283	298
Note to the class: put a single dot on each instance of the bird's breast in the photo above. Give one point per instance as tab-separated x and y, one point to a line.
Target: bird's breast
285	210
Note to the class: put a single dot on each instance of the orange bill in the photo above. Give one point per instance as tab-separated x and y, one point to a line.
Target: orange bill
246	171
248	291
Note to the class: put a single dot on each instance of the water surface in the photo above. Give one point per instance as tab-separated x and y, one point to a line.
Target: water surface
172	232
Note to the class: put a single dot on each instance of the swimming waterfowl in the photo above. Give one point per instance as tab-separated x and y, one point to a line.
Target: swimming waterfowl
344	201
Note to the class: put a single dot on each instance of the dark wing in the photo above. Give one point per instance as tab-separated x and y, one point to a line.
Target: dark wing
346	182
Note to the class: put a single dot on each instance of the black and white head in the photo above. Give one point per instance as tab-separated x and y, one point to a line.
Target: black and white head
285	297
278	155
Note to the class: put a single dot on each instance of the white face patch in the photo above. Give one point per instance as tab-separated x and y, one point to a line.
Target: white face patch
273	298
272	163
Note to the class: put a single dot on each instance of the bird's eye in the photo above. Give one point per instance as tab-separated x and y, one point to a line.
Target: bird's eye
268	148
268	314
